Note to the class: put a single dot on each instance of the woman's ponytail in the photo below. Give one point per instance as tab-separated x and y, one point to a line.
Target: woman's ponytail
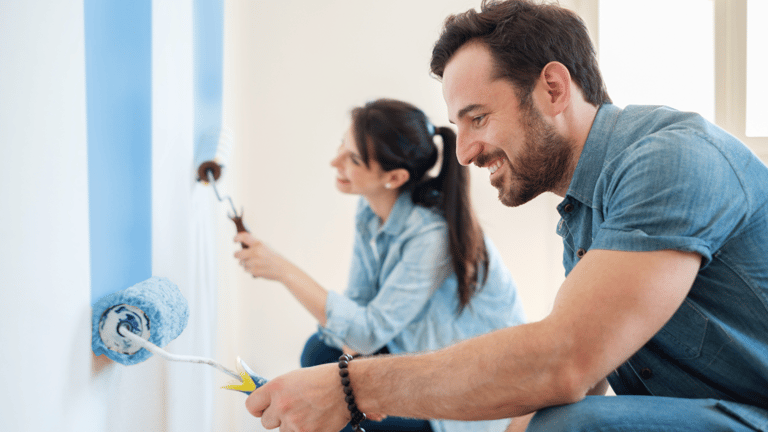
399	135
450	192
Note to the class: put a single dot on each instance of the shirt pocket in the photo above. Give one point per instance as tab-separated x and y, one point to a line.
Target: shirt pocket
683	337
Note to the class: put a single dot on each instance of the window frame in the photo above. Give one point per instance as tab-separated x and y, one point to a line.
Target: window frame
730	35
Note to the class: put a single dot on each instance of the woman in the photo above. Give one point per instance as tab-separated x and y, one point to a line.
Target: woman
423	275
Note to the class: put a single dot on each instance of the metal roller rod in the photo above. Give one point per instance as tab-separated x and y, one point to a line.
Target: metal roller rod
154	349
212	181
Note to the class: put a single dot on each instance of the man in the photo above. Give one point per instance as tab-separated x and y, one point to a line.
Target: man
665	227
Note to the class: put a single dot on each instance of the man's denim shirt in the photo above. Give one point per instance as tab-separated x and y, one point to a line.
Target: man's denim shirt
652	178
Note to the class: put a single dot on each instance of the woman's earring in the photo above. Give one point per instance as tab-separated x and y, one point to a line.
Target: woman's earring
388	185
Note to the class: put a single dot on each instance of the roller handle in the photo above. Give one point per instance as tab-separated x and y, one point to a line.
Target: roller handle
238	220
259	381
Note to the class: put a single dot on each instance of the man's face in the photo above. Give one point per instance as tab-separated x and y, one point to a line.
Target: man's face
523	153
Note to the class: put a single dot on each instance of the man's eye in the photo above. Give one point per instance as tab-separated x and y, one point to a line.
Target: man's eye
478	119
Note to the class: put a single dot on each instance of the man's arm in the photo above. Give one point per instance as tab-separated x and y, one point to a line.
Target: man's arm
520	424
610	305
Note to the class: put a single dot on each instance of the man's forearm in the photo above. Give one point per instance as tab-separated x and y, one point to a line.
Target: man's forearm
480	378
607	309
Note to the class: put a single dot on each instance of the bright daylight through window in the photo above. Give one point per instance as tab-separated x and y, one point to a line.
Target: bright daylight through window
757	64
652	58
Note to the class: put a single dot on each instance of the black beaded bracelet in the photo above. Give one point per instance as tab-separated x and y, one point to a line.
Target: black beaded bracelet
349	398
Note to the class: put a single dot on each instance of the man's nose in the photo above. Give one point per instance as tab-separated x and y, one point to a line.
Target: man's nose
467	148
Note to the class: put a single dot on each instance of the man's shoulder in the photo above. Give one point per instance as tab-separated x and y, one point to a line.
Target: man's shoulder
664	133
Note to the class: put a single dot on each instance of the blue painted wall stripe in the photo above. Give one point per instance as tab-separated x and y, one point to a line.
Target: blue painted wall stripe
118	55
208	64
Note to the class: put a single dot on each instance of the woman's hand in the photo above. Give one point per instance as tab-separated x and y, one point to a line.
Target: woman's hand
259	260
262	262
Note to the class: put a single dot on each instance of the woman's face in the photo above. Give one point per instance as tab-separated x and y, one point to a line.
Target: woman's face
352	176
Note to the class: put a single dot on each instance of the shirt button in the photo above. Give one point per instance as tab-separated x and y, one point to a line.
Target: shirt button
568	208
646	373
581	252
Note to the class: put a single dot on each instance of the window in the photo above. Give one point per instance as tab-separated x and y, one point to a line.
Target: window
757	64
659	52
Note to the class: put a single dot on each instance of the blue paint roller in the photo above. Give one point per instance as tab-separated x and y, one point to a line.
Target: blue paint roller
154	309
131	325
211	155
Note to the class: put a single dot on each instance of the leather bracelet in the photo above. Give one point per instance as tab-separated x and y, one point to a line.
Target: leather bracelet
349	398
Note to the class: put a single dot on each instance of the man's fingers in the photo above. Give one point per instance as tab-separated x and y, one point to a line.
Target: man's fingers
259	405
257	402
269	421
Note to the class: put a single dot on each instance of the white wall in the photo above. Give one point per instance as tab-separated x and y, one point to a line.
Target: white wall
45	329
49	377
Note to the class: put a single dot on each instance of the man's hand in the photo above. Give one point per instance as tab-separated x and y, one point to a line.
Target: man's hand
309	399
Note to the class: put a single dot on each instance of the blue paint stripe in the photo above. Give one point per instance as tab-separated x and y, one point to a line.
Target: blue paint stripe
208	61
118	55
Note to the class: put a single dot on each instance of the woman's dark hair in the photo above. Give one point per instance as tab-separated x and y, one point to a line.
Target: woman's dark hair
398	135
523	37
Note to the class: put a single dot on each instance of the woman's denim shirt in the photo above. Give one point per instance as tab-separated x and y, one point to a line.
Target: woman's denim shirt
652	178
402	292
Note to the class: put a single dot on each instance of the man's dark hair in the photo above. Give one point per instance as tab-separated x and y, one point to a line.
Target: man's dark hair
523	37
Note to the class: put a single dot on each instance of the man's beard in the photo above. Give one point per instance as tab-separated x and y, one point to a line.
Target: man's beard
543	165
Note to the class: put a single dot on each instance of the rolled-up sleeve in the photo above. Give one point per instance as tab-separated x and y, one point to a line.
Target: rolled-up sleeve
340	312
651	207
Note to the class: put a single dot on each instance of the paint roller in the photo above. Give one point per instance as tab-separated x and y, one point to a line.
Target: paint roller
211	156
131	325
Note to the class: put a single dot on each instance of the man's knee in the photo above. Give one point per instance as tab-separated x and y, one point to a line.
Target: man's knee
577	417
636	413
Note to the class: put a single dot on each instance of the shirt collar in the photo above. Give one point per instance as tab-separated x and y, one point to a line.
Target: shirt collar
397	216
593	154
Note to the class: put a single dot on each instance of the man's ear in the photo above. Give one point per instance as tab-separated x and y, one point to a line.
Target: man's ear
553	89
397	177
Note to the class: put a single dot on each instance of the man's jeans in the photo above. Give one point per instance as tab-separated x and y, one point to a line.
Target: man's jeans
648	413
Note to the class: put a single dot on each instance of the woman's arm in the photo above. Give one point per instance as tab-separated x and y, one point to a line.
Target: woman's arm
368	317
393	295
261	261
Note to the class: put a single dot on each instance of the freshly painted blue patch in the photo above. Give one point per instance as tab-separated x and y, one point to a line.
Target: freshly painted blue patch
208	63
118	56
